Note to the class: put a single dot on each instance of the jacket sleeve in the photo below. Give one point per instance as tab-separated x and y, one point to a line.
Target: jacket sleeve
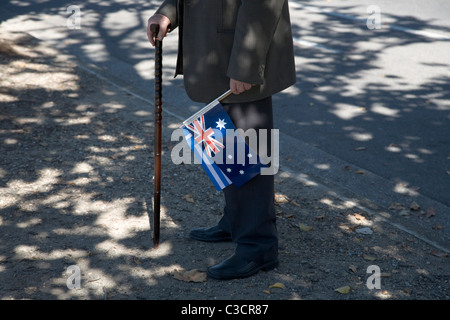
255	25
169	8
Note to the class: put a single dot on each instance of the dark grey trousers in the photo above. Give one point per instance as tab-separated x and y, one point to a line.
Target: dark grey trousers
249	213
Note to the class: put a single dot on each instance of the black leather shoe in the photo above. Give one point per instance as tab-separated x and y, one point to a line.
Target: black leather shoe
236	267
213	234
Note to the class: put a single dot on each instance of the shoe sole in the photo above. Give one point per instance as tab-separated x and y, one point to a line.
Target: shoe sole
265	267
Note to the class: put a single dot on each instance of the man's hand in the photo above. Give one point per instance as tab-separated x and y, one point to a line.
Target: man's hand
238	87
163	23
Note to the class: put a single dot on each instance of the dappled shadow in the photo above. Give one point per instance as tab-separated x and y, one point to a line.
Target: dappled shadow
378	101
76	177
66	173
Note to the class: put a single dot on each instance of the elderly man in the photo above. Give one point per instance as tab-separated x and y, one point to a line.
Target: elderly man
245	46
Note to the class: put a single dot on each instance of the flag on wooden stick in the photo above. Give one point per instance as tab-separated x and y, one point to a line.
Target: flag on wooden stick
220	147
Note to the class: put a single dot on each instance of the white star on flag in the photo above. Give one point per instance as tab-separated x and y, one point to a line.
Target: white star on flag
221	124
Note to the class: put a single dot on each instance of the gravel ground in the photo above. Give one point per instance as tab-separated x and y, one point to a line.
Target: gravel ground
76	190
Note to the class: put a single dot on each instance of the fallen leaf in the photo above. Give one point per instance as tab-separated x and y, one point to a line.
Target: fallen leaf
404	212
277	285
439	254
190	276
343	290
345	227
407	290
430	212
281	198
305	227
353	268
368	258
295	203
189	198
266	291
364	230
321	217
396	206
414	206
360	172
359	217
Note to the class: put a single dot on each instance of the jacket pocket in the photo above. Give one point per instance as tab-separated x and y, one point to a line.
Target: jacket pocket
228	11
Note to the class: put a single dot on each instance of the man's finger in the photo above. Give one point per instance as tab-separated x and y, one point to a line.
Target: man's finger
247	86
163	22
150	39
162	33
150	34
238	87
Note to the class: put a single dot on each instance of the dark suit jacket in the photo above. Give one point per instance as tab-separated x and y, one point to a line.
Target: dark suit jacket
248	40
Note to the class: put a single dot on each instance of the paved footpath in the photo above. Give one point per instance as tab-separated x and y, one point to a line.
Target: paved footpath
76	191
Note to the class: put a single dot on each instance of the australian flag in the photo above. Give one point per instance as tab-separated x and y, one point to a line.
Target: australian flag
220	148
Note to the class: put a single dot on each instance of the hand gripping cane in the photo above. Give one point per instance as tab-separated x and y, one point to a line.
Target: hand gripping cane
157	138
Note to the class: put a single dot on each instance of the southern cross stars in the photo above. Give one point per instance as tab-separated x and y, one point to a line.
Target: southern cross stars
231	157
221	124
240	171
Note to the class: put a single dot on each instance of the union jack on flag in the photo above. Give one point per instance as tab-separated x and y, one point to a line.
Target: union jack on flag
205	136
221	150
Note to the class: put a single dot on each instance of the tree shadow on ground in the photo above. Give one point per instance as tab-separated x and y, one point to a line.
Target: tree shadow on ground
76	186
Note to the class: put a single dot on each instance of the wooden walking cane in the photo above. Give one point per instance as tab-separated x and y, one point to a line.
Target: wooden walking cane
157	138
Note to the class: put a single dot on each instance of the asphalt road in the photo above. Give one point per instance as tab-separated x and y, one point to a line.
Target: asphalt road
371	108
